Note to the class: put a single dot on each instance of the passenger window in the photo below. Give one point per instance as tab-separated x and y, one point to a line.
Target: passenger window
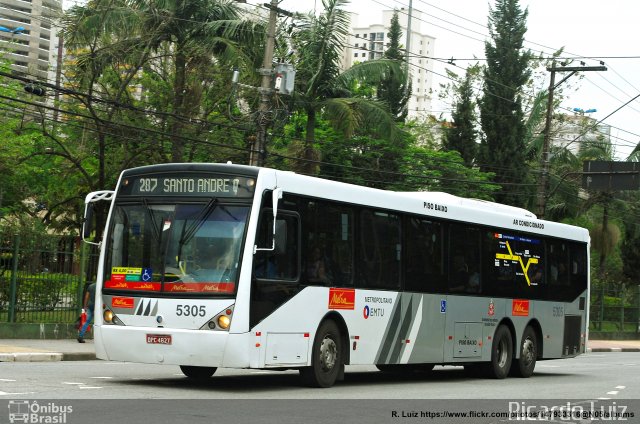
379	250
327	237
464	260
282	262
423	256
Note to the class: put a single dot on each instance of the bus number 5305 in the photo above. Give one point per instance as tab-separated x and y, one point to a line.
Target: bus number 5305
190	311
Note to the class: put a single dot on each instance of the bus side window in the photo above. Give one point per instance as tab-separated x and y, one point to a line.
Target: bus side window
281	263
423	256
379	250
327	240
464	259
558	270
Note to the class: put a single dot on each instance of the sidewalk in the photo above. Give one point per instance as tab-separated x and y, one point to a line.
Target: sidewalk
613	346
28	350
43	350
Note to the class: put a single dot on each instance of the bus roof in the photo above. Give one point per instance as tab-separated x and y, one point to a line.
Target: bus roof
437	204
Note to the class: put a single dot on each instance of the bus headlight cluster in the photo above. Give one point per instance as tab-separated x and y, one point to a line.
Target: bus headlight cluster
220	322
224	321
110	318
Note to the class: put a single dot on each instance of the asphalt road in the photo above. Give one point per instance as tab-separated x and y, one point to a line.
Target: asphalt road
591	376
269	396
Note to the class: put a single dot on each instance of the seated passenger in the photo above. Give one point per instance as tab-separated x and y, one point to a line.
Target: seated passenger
318	267
459	277
215	264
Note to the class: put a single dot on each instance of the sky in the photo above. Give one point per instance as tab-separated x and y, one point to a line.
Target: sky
589	30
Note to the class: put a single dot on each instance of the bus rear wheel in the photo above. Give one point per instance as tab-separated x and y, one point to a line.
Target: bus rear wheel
501	353
523	366
326	357
197	373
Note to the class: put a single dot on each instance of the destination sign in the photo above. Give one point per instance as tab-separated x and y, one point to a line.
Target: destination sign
188	185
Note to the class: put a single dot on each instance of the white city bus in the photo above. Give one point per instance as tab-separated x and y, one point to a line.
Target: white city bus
220	265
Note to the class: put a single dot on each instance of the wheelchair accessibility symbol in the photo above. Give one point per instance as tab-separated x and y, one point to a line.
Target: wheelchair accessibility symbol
147	274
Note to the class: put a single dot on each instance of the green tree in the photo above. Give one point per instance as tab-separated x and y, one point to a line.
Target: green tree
502	148
462	136
395	90
323	90
630	249
147	83
183	41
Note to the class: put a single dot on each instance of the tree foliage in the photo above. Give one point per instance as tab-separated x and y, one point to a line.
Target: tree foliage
323	90
395	89
462	136
502	149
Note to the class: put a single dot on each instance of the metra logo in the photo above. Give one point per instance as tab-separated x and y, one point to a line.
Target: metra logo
520	308
122	302
342	299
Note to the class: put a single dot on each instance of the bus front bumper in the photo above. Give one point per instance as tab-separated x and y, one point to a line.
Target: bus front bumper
152	345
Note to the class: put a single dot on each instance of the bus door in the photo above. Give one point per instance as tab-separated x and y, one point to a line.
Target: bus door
422	302
465	309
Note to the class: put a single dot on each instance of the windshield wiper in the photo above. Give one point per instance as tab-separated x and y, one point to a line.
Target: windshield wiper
194	226
154	224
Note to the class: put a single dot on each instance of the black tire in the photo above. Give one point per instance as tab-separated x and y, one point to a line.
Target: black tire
198	373
525	364
326	357
501	353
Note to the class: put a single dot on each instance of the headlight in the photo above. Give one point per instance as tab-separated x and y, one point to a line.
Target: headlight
110	318
224	321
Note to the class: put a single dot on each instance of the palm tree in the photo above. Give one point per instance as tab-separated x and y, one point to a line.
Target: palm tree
190	37
322	88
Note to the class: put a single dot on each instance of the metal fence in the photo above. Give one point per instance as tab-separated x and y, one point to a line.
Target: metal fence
615	308
42	278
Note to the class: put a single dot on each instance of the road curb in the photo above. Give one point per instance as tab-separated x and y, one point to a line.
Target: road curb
31	357
78	356
613	349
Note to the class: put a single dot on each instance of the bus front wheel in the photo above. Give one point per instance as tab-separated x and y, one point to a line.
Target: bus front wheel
326	357
523	366
197	373
501	353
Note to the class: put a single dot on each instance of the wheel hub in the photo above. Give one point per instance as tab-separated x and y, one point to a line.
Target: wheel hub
528	351
502	354
328	354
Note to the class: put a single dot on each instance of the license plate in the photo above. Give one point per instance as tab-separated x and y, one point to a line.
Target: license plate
164	339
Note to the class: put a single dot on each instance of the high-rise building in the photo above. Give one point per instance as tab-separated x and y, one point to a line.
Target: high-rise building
32	50
370	41
572	132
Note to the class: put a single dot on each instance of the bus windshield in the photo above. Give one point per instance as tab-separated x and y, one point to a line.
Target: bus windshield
181	248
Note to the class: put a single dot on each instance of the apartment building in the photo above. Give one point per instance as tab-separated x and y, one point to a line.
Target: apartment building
368	42
32	50
573	131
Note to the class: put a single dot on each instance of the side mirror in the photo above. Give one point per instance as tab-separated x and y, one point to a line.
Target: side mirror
87	224
89	200
280	237
277	195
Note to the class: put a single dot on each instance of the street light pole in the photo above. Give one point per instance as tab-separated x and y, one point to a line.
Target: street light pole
543	182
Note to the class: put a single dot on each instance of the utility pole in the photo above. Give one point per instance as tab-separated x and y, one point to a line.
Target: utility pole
543	182
408	47
256	157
